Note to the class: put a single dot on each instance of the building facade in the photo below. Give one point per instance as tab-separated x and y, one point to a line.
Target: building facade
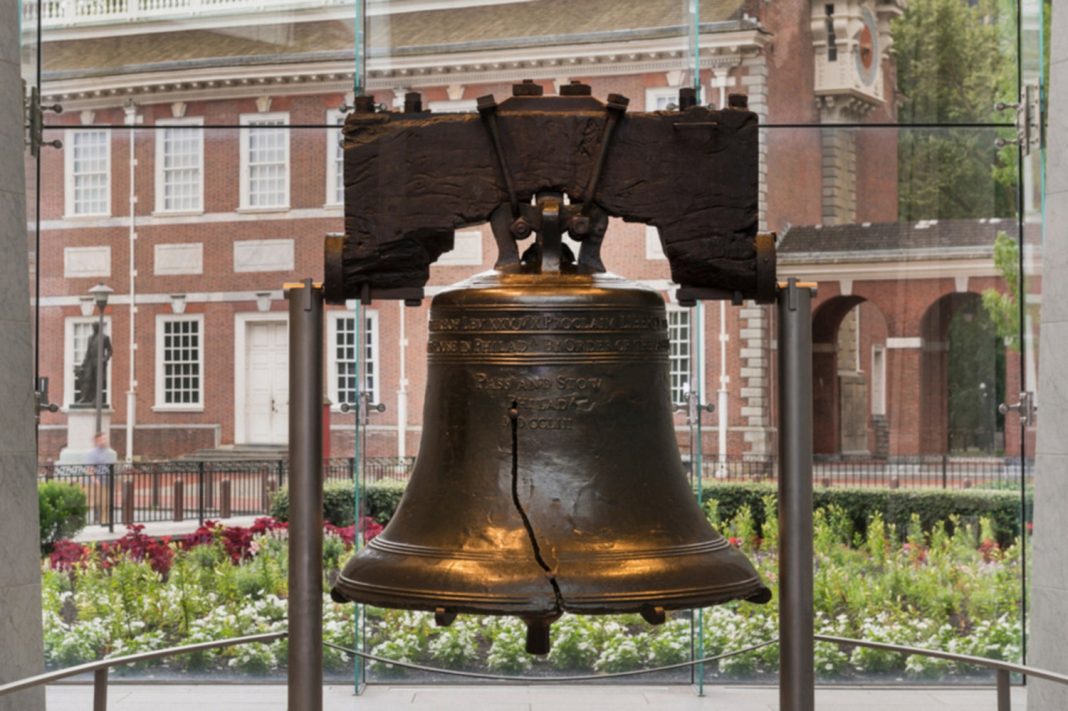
201	170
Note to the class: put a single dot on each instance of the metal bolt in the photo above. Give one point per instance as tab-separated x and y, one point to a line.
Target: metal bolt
520	228
580	225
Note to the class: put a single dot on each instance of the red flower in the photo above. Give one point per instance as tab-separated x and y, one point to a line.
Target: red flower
370	528
735	541
990	550
68	555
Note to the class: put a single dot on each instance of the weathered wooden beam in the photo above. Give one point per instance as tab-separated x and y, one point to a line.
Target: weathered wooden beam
412	179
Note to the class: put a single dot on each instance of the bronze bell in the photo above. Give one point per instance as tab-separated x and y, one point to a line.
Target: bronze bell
548	479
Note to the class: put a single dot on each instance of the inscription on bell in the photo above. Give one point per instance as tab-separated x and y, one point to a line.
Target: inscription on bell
444	345
549	322
484	381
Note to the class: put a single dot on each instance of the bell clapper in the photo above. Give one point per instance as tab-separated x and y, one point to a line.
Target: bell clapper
444	617
538	633
654	615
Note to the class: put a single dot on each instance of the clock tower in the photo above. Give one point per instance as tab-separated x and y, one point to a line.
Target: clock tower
851	39
851	42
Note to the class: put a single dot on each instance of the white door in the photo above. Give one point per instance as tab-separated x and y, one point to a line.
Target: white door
267	383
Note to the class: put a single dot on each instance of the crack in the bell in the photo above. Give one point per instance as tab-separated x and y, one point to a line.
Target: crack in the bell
513	414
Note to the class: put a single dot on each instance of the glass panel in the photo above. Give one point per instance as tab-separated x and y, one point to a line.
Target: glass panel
911	361
159	54
209	374
451	57
902	229
466	50
1022	304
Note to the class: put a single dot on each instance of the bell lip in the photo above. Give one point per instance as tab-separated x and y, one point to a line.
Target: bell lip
750	590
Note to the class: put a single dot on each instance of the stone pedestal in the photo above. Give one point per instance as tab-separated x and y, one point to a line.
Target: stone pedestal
81	429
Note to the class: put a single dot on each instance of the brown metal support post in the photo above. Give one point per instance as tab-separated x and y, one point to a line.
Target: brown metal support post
305	496
111	497
797	676
1004	691
128	502
178	500
100	690
200	492
224	498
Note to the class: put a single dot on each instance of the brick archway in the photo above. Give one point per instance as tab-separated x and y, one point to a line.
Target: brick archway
849	403
935	358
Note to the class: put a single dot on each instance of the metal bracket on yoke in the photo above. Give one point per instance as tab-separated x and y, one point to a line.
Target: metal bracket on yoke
585	221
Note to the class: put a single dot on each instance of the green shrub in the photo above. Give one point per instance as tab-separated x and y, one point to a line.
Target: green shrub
380	501
62	512
896	506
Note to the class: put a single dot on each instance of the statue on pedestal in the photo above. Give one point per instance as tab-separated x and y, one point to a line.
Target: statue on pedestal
86	372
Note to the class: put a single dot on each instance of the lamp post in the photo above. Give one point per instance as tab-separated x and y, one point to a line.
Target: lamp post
100	294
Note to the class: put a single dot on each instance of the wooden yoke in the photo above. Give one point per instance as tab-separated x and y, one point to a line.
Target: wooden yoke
413	178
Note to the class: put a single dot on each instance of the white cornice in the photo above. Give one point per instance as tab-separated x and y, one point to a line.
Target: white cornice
889	270
722	49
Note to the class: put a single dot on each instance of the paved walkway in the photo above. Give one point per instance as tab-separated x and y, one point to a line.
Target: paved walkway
95	533
524	698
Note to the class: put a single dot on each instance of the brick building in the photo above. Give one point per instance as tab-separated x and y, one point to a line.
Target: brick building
200	171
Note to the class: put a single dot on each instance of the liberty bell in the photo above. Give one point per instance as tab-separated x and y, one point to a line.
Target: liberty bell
548	478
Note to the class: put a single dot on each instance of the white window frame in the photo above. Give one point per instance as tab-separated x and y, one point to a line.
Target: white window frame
161	404
335	120
661	92
68	173
697	325
246	133
192	122
371	316
675	309
457	257
68	357
878	380
654	249
453	106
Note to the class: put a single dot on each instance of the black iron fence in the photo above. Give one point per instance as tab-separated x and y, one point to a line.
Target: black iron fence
180	490
944	472
143	492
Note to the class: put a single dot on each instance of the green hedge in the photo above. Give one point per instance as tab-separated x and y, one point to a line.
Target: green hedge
895	505
380	501
61	512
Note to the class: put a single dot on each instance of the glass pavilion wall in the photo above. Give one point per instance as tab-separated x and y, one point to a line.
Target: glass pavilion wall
199	170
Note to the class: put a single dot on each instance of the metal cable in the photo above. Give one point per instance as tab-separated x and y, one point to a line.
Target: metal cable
547	680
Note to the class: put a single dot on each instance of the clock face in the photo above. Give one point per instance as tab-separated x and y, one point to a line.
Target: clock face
868	48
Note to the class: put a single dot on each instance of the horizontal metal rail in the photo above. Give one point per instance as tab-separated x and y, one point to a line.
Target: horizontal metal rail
100	667
1004	669
549	679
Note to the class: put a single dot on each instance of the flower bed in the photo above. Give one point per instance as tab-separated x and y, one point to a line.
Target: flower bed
957	591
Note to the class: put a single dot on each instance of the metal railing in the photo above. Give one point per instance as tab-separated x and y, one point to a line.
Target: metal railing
939	471
100	668
1004	669
178	490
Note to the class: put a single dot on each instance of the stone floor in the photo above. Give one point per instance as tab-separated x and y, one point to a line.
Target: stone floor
524	698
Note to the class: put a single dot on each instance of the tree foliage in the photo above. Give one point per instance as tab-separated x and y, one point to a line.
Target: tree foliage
1003	307
954	64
